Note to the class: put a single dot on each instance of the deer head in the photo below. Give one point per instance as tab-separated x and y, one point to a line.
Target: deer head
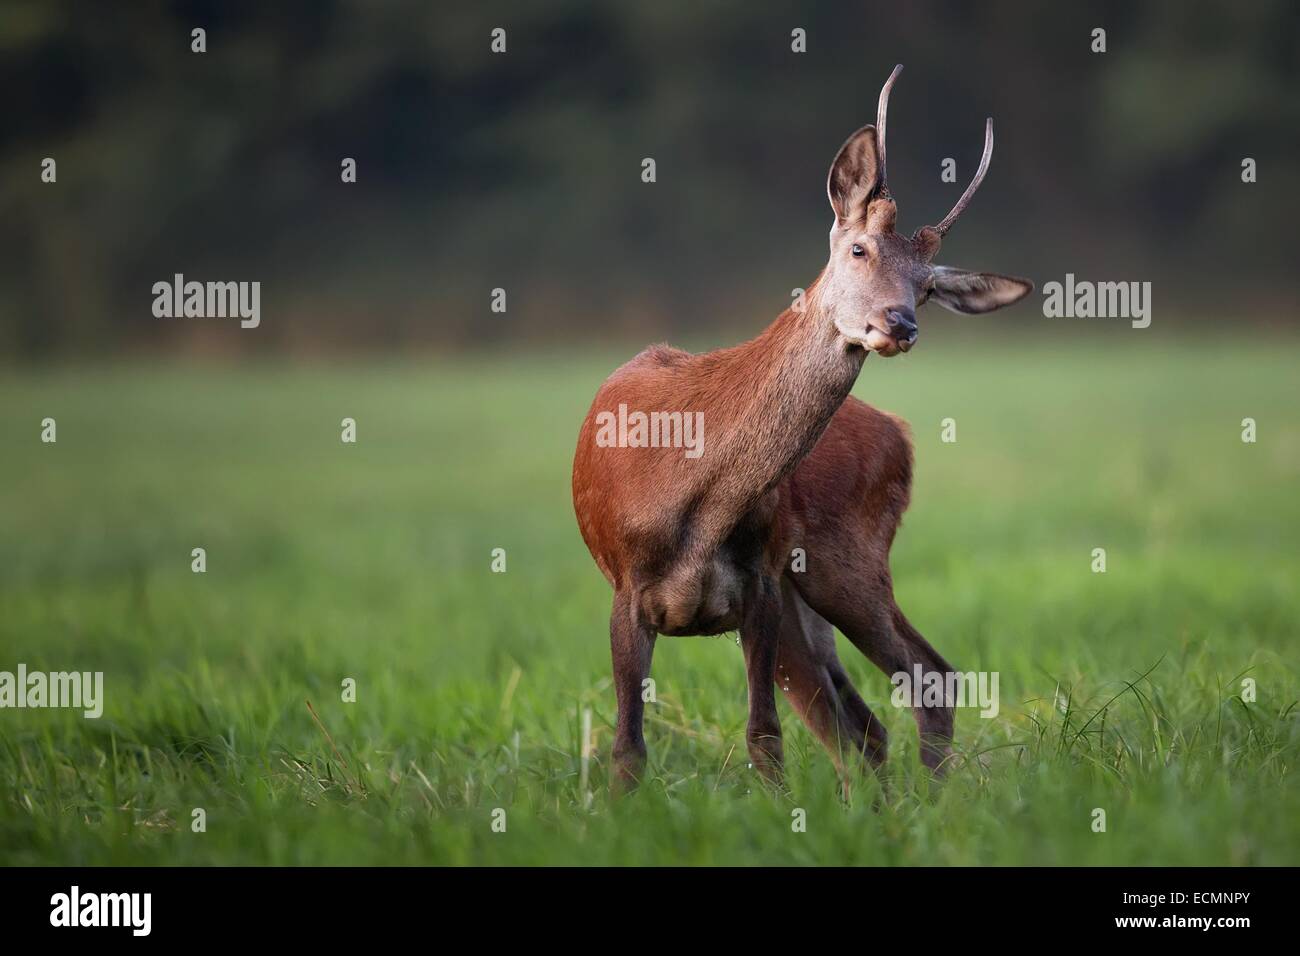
876	279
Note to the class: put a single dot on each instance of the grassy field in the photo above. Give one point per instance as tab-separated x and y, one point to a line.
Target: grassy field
325	561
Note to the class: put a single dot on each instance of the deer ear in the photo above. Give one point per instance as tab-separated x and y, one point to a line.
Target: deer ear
971	293
853	177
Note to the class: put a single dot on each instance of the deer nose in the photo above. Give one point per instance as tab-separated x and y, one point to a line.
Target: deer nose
902	323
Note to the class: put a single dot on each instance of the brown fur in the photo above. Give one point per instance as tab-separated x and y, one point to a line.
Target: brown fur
703	545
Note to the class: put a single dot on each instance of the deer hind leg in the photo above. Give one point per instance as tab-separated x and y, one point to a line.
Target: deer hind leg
935	724
632	646
880	631
818	688
858	598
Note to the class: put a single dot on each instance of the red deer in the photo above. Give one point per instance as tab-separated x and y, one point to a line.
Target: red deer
701	543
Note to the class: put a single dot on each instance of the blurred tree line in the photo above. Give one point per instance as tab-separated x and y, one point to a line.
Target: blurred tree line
522	170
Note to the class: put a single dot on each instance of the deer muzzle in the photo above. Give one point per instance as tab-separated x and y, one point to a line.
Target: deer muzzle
902	326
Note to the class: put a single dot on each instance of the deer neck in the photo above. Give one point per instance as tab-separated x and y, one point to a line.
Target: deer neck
786	384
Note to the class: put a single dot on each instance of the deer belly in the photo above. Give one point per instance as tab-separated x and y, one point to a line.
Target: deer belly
703	600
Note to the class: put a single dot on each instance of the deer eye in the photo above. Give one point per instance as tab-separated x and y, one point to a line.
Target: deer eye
858	251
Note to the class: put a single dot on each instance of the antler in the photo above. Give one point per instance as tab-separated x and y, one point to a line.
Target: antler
882	113
964	201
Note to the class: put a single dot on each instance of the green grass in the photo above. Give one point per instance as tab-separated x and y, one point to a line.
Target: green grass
328	561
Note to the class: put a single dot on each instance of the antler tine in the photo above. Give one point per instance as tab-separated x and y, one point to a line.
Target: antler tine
964	201
882	113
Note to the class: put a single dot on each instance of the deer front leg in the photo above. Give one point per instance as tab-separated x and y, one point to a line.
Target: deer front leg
632	646
760	636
